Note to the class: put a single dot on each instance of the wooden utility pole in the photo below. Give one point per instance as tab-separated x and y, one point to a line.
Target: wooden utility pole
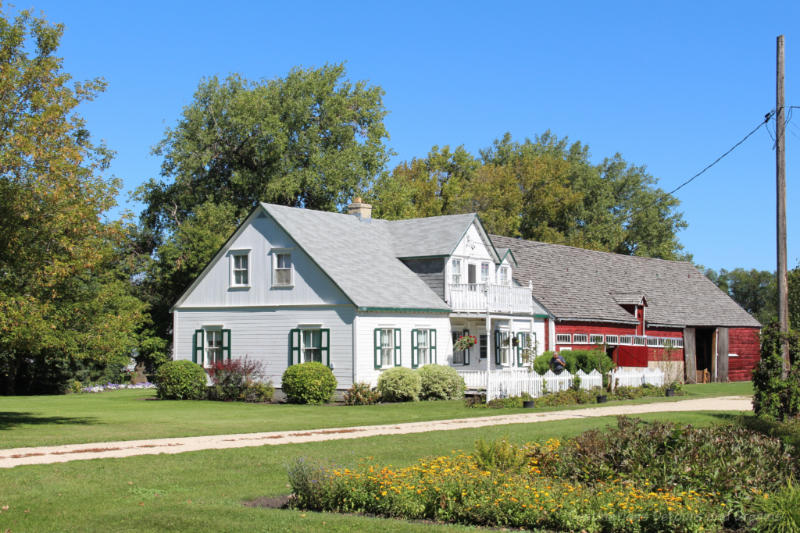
780	177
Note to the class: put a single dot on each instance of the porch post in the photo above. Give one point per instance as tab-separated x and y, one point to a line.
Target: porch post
489	355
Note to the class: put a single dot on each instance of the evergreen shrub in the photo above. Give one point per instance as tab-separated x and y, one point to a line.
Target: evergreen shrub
311	383
181	380
399	384
440	382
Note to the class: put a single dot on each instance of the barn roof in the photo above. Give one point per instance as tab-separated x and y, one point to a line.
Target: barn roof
577	284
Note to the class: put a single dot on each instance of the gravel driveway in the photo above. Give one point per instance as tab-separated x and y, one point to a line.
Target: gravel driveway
10	458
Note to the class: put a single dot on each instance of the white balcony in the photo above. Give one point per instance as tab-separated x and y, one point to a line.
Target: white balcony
488	298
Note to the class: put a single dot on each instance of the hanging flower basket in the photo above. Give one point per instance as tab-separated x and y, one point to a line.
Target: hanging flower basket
465	342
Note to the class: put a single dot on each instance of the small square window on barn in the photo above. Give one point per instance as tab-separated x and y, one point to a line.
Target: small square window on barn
580	338
653	341
563	338
626	339
639	341
612	339
678	343
595	339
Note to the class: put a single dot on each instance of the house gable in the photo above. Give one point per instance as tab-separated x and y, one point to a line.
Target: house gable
260	238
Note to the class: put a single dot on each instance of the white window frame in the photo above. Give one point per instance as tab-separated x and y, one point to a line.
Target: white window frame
580	338
505	347
504	275
626	339
563	338
423	333
387	361
455	271
208	361
485	272
233	255
276	253
654	342
303	347
639	340
596	338
612	340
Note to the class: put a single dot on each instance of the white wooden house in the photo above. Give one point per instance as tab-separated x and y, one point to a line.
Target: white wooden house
358	294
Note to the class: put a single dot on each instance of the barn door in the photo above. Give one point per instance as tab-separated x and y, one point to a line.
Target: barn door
722	355
690	355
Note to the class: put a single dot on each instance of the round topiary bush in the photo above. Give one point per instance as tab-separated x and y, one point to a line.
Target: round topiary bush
308	383
181	380
440	383
399	385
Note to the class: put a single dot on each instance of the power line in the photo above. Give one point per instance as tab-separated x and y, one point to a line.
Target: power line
731	149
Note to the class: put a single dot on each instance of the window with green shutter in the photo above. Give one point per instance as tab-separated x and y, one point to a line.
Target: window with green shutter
198	346
386	347
310	344
520	348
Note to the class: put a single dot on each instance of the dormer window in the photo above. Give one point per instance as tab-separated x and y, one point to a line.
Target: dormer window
503	277
240	269
484	273
282	270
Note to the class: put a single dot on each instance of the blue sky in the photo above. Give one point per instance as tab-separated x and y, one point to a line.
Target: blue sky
669	85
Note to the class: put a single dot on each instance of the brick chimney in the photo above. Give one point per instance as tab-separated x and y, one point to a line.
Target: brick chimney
359	209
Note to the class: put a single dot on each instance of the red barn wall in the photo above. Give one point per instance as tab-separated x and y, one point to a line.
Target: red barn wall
746	343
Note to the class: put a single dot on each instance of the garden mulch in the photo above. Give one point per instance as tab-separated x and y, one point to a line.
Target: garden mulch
10	458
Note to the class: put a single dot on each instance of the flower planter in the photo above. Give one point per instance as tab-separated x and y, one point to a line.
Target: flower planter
528	404
602	398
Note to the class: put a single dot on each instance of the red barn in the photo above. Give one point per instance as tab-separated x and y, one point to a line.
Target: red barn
643	311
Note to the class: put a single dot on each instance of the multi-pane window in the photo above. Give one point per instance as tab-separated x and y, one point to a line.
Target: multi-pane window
460	357
240	275
282	270
213	346
455	271
505	347
484	272
503	276
563	338
595	339
655	341
423	347
387	347
626	339
580	338
612	339
311	347
484	345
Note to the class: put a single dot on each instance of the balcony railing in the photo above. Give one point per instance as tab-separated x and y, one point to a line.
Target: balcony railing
483	298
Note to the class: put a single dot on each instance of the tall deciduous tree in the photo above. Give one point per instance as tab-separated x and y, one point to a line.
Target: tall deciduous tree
311	139
62	296
544	189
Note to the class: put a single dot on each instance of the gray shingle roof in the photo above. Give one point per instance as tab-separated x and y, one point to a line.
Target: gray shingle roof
573	283
425	237
358	256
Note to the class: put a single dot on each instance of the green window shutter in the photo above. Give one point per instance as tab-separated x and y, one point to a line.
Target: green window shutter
398	354
414	349
497	339
466	352
294	346
377	352
432	344
197	346
226	344
520	347
325	346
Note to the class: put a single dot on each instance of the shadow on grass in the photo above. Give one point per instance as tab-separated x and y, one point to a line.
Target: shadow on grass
11	419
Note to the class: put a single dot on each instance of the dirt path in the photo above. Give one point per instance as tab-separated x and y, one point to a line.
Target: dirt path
97	450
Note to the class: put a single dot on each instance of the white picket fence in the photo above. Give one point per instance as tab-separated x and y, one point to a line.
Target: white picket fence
636	377
514	381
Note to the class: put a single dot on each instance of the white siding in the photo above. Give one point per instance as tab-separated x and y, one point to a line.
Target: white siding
365	343
262	334
478	251
538	328
260	236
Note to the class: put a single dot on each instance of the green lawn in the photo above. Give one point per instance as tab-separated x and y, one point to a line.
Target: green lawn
204	491
136	414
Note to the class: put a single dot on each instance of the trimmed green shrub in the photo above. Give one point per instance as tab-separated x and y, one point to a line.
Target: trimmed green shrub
440	382
181	380
399	385
361	394
312	383
257	392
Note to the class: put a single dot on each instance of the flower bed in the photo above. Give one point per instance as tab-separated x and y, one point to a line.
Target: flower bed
117	386
535	485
